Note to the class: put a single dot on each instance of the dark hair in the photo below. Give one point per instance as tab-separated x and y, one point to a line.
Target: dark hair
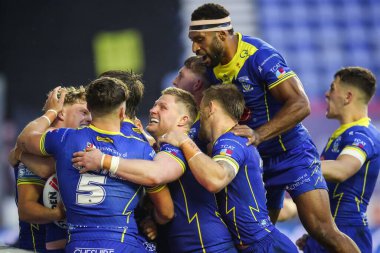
186	98
196	65
105	94
228	96
135	87
210	11
358	77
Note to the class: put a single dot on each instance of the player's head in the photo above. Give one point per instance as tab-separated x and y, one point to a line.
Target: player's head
106	96
225	99
135	86
192	76
175	108
351	86
74	112
210	26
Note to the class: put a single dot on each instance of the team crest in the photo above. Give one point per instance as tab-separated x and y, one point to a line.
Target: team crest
246	84
335	147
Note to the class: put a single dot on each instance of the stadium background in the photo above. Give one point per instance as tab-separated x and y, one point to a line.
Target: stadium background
48	43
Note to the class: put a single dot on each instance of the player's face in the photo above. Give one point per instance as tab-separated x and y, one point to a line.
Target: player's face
335	98
76	115
205	130
164	116
208	46
186	79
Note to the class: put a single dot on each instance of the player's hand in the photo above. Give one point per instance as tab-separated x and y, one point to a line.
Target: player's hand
301	242
149	227
59	211
245	131
174	137
87	160
150	139
54	101
14	156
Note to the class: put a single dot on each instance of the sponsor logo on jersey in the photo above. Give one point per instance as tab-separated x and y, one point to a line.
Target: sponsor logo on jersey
226	151
280	72
104	139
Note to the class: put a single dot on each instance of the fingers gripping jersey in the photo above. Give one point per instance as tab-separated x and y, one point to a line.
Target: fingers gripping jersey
255	69
242	203
349	199
31	236
196	226
99	205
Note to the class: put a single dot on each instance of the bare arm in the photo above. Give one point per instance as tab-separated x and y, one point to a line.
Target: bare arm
295	103
341	169
161	170
30	210
29	138
163	205
211	174
41	166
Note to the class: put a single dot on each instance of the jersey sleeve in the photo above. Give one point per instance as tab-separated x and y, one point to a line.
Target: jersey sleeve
229	150
271	67
52	141
25	176
358	145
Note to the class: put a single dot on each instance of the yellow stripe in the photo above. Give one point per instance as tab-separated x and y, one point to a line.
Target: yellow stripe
266	103
257	209
30	183
340	195
281	143
227	159
181	163
123	234
129	213
285	77
359	150
155	189
33	239
42	144
103	131
195	216
233	214
364	184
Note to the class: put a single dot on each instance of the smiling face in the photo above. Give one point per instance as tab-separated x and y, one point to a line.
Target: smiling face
76	115
335	99
165	115
208	46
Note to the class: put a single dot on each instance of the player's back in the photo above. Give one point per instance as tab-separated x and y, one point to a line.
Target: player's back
197	226
242	202
99	204
128	128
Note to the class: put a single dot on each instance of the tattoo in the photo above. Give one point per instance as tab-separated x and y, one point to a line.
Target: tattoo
229	168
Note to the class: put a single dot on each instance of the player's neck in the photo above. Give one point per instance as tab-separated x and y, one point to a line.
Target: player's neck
353	114
221	125
110	124
230	48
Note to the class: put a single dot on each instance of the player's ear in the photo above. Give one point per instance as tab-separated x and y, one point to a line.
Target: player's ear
184	120
122	112
222	35
348	98
61	115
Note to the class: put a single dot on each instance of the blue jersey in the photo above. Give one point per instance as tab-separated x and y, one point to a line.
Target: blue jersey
99	205
242	203
196	226
128	128
349	199
255	69
31	236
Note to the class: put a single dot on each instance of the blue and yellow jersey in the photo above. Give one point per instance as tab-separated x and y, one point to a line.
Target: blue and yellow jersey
196	226
31	236
99	205
349	199
255	69
242	203
194	135
128	128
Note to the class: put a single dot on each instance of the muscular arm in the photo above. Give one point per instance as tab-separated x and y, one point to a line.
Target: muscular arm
295	108
41	166
30	210
341	169
161	170
163	205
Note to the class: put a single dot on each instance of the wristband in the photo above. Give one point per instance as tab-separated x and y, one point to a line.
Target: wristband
189	149
47	118
110	163
54	111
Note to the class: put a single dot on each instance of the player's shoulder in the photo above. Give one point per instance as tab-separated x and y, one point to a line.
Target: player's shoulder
232	139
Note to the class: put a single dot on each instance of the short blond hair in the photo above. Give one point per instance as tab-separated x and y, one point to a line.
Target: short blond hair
74	95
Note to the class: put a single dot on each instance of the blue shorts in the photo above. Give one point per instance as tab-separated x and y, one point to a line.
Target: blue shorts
274	242
297	171
102	246
361	235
